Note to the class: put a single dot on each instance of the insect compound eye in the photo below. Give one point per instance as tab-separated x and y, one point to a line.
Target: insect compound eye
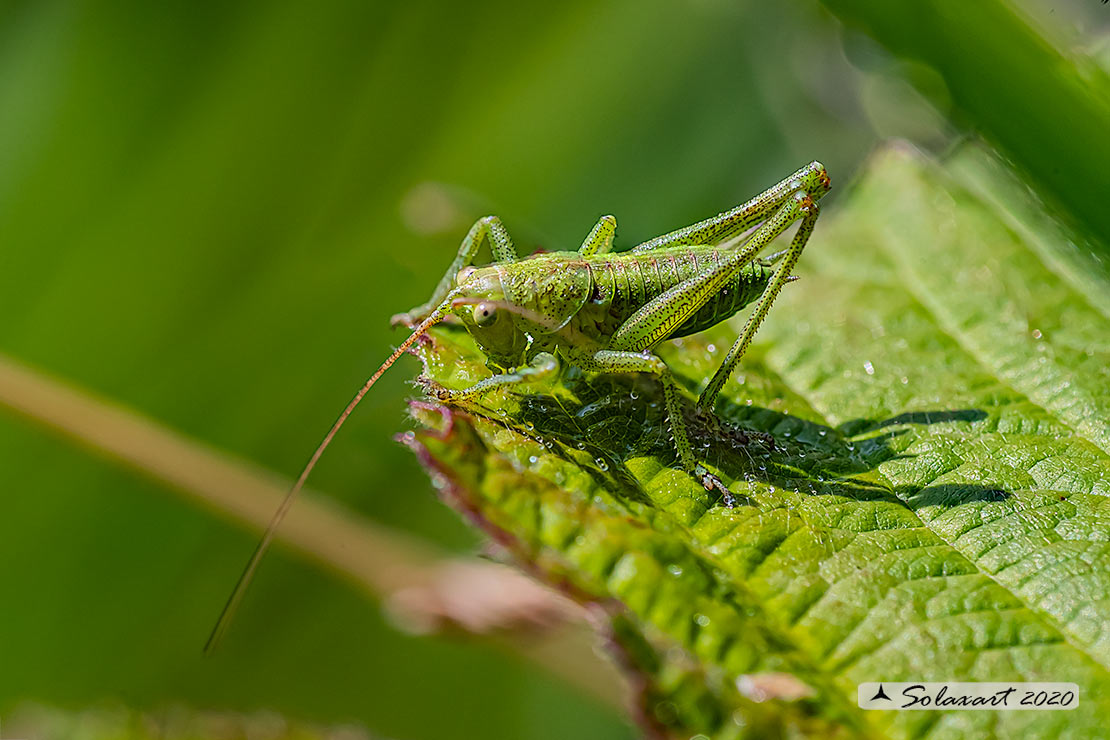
484	314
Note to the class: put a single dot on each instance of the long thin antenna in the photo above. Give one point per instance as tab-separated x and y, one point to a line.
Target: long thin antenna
263	544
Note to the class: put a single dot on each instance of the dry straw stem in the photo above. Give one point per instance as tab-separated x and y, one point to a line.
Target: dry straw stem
385	563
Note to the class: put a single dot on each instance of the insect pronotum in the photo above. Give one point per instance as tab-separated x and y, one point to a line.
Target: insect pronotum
602	311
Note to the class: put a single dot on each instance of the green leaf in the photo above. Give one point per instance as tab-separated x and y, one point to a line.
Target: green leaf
933	505
1028	87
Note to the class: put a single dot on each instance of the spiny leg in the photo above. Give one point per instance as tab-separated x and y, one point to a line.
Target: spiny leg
600	238
543	366
660	317
812	178
503	251
617	361
805	206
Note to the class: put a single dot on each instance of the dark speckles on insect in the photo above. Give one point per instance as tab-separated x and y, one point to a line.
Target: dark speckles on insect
604	312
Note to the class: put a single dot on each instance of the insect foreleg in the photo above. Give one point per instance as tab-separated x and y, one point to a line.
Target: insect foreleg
503	251
812	178
544	366
804	206
600	238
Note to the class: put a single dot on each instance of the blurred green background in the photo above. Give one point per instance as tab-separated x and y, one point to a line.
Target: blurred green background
208	212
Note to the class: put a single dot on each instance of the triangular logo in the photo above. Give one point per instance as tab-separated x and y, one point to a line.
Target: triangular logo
881	694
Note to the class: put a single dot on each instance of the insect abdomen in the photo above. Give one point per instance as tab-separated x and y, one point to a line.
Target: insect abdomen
625	282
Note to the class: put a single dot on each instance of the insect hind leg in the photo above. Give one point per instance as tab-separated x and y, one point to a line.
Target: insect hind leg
813	179
805	207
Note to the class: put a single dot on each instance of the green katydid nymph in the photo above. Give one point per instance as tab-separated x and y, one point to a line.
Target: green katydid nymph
603	311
